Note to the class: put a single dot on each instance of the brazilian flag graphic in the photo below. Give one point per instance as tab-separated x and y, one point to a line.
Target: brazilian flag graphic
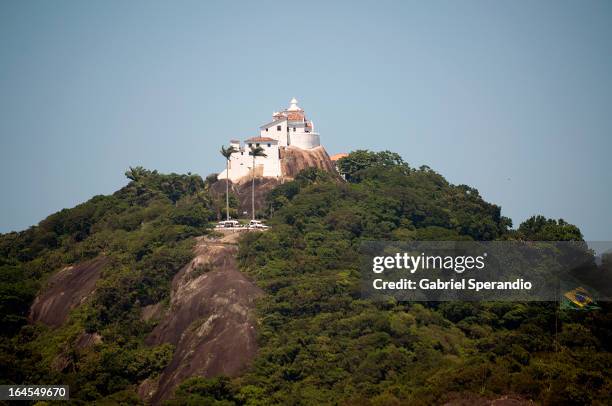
578	299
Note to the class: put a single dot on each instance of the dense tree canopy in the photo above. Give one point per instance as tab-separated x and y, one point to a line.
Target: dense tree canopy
320	341
539	228
145	229
361	159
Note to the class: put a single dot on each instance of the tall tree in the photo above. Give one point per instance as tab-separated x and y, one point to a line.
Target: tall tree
255	152
362	159
540	228
227	153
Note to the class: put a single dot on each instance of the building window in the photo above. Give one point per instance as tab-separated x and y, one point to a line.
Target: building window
266	130
256	145
278	128
250	145
293	129
269	145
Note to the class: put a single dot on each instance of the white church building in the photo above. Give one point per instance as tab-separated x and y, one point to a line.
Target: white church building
288	128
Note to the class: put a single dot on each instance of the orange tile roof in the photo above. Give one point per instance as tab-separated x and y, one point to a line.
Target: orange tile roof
261	139
295	116
338	156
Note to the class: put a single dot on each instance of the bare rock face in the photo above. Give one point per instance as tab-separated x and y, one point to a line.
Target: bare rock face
294	160
210	319
243	192
147	389
152	312
65	290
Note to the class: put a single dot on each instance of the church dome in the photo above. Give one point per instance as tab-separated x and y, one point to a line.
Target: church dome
293	105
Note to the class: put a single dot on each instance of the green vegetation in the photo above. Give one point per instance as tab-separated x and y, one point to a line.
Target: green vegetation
320	342
146	230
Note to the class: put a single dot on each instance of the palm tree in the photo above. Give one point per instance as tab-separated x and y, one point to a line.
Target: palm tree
255	152
227	153
137	173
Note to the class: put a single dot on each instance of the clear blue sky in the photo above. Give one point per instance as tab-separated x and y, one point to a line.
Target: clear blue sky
513	98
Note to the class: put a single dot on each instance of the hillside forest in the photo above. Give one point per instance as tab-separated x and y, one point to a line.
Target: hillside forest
319	341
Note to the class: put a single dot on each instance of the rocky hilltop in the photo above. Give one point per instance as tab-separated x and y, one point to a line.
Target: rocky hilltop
293	161
132	298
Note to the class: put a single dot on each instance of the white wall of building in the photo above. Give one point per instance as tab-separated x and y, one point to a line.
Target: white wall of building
241	162
283	133
274	132
304	140
271	161
240	166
